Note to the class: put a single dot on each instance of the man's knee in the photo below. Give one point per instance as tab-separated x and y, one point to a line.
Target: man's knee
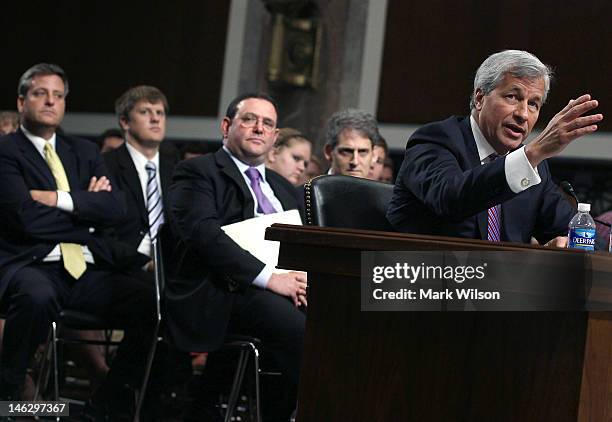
35	295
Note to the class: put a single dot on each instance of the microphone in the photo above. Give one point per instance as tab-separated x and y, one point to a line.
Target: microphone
569	189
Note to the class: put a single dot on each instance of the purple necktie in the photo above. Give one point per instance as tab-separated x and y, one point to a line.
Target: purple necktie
494	220
264	205
494	224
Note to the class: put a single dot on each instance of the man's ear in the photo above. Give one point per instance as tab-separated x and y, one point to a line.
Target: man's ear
124	123
478	99
20	101
271	157
327	150
225	124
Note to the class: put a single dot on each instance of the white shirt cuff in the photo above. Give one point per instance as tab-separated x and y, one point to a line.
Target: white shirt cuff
64	201
262	278
520	175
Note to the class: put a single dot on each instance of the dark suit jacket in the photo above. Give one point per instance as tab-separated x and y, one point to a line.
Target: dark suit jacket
442	189
127	235
30	230
207	266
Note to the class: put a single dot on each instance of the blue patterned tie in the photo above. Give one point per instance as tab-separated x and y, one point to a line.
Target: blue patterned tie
155	207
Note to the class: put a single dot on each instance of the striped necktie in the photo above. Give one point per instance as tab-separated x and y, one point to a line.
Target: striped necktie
494	224
155	207
494	213
72	253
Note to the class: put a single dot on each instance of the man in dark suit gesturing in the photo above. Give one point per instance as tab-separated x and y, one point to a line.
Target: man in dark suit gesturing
55	199
473	177
217	286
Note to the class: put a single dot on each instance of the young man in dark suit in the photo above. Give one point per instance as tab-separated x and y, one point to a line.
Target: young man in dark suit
473	176
217	287
55	200
142	173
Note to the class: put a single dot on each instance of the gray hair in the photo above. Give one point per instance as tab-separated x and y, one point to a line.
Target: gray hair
517	63
358	120
40	69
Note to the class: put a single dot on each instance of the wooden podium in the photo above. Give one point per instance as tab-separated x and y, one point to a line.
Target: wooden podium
439	366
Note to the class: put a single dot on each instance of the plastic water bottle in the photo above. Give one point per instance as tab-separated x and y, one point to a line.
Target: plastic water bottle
581	233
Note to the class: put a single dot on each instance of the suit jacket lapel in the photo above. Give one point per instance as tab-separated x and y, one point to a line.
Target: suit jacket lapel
39	164
166	166
285	198
69	161
228	167
474	160
131	180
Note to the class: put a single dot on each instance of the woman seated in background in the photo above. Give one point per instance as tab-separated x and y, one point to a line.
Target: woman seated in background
290	155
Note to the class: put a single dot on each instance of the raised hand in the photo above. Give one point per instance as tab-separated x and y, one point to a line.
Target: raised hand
566	126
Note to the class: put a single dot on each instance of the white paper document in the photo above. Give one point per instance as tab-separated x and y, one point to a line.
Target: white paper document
249	234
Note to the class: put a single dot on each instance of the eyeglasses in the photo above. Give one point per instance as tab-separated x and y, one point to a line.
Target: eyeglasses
251	120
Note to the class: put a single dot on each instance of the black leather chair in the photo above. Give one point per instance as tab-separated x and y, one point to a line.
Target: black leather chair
347	202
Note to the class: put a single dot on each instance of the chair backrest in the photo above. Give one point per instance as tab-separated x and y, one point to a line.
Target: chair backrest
347	202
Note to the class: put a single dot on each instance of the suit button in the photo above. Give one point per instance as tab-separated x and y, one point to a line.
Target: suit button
34	258
92	230
142	233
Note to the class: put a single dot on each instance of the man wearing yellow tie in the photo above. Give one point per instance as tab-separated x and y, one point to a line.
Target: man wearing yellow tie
55	197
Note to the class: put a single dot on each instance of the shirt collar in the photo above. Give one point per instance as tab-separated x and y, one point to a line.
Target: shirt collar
140	161
39	143
484	147
243	166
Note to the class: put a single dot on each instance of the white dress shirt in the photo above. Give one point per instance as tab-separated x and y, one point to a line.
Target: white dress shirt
262	278
140	161
520	175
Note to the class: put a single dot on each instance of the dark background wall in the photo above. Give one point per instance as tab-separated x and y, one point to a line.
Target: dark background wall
431	52
106	47
433	48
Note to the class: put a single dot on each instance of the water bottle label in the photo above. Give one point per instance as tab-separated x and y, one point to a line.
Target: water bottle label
582	239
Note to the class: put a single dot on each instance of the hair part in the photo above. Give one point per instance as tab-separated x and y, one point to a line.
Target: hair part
40	69
232	108
519	64
287	135
357	120
128	100
110	133
382	143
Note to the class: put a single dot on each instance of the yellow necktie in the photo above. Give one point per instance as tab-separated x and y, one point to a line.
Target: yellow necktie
72	253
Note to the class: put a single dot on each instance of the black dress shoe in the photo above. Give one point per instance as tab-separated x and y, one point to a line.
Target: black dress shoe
202	411
103	413
9	392
110	405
